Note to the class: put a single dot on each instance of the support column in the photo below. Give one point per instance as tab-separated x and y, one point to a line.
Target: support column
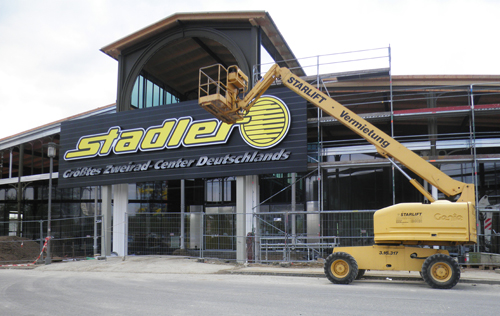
106	192
120	194
313	222
252	200
247	198
240	219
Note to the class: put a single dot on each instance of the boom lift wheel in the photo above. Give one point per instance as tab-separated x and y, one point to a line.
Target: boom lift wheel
361	273
341	268
441	271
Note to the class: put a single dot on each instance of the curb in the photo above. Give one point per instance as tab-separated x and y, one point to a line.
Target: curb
17	267
365	277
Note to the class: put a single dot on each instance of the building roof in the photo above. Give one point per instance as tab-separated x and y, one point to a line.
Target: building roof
272	40
34	142
51	128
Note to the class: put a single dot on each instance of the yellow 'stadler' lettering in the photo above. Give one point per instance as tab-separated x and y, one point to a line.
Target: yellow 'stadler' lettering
93	145
207	132
179	132
156	136
172	133
129	141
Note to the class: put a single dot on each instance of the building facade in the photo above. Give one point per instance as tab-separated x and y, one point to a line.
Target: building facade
164	177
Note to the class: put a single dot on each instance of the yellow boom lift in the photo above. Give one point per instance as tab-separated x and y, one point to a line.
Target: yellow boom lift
400	231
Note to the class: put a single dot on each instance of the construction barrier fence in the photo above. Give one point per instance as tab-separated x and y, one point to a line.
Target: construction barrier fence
71	238
282	236
275	236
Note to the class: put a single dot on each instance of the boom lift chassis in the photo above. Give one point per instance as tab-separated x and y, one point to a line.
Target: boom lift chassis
404	234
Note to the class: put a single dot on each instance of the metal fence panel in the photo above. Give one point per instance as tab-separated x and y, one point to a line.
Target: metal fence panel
307	236
276	236
160	234
74	237
219	236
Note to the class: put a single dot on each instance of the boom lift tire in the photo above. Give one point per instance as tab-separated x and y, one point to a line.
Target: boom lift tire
341	268
441	271
361	273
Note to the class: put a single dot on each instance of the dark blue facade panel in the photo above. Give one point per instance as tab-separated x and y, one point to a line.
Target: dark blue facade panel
182	141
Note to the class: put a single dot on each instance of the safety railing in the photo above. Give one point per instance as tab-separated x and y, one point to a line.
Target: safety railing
212	80
295	248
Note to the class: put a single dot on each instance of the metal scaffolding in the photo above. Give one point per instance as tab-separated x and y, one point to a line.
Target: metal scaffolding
363	80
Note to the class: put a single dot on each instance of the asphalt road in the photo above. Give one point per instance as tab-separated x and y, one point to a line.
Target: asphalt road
32	292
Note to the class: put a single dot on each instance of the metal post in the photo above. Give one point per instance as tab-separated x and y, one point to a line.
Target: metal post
41	238
95	222
319	139
474	163
183	210
103	239
10	163
294	208
285	249
49	228
392	124
19	190
125	236
51	152
202	226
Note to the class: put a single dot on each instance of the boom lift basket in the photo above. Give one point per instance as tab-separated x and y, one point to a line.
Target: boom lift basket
219	89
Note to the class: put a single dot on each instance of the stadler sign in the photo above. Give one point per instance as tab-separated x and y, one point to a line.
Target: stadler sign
181	140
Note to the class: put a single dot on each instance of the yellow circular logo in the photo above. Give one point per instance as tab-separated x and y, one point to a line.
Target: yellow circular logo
266	124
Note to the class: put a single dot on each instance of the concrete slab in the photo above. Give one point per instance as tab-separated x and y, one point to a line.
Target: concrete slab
187	265
138	264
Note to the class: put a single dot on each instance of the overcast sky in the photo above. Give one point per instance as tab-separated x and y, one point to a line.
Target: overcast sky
51	66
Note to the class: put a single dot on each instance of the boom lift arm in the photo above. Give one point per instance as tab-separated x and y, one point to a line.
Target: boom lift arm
397	228
386	146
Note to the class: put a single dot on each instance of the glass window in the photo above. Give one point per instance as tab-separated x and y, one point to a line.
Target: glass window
134	99
140	99
220	190
11	194
147	94
156	95
214	191
29	193
361	188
